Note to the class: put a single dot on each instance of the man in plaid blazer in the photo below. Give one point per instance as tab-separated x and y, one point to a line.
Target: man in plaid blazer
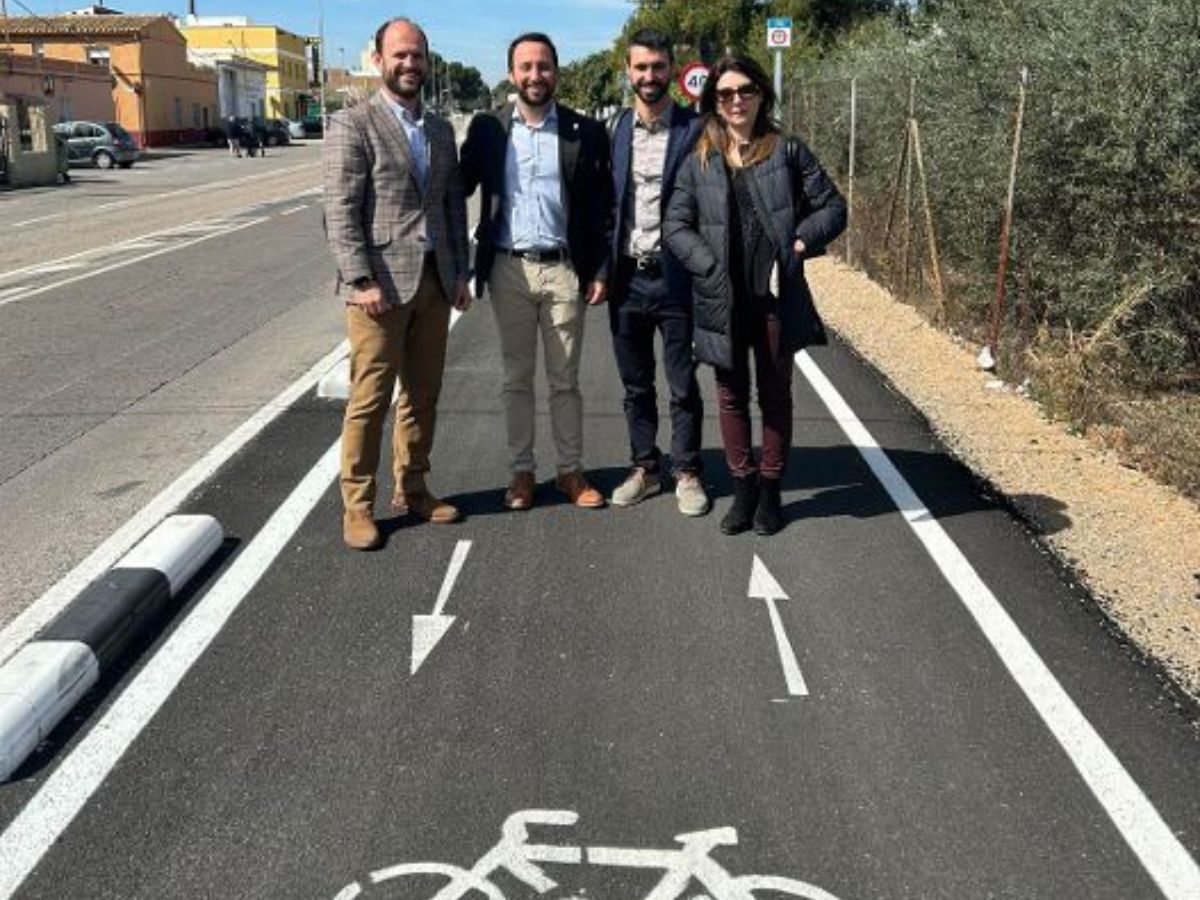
396	220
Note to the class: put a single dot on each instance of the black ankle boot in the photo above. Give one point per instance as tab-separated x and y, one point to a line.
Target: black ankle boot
745	498
768	517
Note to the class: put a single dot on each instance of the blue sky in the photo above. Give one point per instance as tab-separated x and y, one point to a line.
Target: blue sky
475	32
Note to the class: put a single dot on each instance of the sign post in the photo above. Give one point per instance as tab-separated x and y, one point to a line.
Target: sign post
779	38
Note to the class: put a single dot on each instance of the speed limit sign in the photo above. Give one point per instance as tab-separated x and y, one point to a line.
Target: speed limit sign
692	78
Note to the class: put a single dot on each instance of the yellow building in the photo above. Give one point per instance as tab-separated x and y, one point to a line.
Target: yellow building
283	53
159	97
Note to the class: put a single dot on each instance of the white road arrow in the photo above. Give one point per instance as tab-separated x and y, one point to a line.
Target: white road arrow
428	630
764	586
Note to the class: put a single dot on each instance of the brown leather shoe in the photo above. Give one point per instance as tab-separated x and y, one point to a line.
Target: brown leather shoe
426	506
578	491
360	532
520	491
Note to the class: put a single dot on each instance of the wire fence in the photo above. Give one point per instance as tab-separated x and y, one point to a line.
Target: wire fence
1009	212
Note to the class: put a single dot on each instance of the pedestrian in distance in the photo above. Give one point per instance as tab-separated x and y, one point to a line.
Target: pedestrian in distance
749	202
233	136
651	292
396	220
545	186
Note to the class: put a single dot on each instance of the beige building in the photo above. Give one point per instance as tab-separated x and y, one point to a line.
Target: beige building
69	90
284	54
159	97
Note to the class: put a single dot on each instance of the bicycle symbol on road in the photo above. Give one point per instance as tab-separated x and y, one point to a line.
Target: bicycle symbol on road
513	853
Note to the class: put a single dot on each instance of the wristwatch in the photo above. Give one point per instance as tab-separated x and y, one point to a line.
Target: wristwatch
362	282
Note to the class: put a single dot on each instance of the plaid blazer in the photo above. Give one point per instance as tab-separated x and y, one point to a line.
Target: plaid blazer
373	205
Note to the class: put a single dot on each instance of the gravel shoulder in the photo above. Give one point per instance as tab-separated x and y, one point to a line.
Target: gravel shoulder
1134	542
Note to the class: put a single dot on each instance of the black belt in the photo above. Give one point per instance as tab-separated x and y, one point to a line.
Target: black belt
539	255
647	266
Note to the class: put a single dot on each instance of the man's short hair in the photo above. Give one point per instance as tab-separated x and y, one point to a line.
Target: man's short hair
651	39
399	20
532	37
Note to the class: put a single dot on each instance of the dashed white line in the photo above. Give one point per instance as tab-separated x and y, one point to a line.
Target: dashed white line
1139	823
146	198
33	292
294	209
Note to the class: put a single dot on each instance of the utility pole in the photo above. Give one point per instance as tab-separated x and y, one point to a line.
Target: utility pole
321	62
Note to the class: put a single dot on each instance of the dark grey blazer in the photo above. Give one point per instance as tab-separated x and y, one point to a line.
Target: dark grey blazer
373	205
791	202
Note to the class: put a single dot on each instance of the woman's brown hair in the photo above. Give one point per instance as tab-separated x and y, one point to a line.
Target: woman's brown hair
715	134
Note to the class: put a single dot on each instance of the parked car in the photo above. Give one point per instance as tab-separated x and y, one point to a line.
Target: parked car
274	132
295	128
104	144
311	126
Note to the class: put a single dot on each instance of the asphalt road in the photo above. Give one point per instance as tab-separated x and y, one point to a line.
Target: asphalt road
958	722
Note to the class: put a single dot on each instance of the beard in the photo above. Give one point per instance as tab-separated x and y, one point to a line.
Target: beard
395	83
523	92
651	92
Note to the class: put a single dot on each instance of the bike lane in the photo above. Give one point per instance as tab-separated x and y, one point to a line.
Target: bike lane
610	664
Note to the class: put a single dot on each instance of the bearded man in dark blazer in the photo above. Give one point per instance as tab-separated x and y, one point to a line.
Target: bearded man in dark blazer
544	177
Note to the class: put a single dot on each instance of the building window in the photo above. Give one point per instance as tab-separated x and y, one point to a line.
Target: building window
178	113
196	115
98	56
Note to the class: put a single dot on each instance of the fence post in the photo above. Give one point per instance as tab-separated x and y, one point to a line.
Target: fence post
930	235
907	236
850	185
1006	222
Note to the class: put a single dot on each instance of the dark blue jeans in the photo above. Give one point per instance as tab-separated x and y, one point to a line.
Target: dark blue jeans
639	308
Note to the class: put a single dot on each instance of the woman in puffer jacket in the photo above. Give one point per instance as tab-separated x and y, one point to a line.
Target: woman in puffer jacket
747	200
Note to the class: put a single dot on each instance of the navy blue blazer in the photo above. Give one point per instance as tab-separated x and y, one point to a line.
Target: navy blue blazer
685	129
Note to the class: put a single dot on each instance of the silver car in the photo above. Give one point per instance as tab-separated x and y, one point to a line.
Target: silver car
104	144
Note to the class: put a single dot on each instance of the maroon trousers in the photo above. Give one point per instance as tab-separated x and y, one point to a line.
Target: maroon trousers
757	330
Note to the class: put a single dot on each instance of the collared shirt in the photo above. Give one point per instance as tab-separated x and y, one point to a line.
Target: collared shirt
418	145
533	213
414	131
643	204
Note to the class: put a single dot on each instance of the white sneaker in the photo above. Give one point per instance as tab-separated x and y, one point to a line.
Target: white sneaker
689	491
636	487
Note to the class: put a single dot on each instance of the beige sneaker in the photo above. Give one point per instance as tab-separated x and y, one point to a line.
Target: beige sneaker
637	486
690	494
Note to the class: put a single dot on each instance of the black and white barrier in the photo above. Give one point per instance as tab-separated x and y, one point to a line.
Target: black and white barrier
43	680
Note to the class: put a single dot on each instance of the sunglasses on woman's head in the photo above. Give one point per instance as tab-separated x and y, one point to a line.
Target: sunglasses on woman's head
743	91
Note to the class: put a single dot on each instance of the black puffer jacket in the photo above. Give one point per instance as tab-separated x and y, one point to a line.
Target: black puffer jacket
695	227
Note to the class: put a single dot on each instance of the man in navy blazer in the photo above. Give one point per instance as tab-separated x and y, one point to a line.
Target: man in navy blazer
650	291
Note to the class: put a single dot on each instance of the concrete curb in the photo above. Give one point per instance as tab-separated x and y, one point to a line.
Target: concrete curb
43	680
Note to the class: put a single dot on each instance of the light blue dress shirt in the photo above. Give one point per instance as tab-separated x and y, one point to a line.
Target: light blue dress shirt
533	213
414	131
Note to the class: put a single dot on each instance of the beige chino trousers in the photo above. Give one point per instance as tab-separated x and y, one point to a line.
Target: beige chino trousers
529	299
407	342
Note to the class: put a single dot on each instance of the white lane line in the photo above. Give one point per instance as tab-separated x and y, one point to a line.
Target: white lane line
51	603
25	295
294	209
1160	852
146	198
428	630
65	792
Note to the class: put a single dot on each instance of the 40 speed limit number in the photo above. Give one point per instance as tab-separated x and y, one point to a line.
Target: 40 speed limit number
692	78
